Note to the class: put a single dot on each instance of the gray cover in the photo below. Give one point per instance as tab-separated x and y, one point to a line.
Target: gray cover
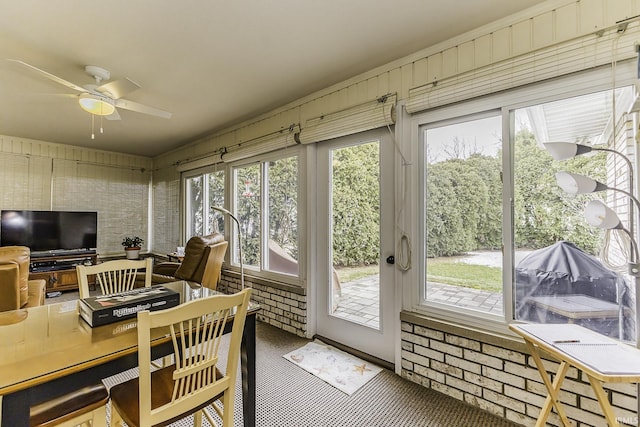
563	270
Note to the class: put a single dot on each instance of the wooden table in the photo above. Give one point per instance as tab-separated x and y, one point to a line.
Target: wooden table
600	358
48	351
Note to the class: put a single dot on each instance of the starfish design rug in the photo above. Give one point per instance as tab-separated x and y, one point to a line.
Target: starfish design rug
345	372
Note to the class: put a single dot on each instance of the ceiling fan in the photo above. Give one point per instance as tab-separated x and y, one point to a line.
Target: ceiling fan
102	99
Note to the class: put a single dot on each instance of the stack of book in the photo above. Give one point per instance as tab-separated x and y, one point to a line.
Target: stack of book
111	308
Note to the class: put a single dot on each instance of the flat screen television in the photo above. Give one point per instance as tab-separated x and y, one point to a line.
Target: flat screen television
49	231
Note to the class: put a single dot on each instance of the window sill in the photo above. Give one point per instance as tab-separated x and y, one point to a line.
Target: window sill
295	286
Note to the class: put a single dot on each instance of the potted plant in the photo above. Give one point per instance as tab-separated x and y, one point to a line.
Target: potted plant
132	246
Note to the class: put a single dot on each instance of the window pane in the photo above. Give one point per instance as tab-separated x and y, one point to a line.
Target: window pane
567	270
355	233
463	214
195	206
248	210
282	201
216	198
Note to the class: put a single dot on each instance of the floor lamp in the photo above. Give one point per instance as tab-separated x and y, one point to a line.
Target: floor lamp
601	216
226	212
569	150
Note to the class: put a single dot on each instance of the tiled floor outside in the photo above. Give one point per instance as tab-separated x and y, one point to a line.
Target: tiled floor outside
359	300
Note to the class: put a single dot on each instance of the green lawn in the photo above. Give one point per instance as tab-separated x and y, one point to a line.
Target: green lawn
441	270
349	274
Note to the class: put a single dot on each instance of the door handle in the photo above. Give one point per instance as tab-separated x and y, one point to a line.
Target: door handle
391	260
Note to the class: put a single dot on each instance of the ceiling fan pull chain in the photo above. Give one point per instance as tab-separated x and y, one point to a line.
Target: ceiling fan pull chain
93	135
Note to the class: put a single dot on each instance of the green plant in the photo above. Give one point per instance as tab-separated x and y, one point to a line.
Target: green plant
132	242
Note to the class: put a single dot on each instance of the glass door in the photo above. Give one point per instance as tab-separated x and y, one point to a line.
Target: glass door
355	292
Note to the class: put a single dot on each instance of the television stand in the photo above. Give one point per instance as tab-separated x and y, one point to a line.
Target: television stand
59	270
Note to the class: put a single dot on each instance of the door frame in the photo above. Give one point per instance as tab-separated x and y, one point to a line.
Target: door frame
377	343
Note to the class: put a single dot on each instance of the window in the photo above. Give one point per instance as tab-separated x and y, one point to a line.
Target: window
203	190
500	234
282	211
463	211
266	205
567	270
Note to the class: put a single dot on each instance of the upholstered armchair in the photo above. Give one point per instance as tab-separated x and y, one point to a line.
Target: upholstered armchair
202	263
16	290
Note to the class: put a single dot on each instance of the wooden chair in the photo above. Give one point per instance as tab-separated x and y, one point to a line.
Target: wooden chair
114	276
194	382
86	406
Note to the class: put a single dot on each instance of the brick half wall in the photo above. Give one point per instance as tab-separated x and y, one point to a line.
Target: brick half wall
282	305
498	375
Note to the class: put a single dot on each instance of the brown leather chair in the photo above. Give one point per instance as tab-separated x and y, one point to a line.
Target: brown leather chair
16	290
202	263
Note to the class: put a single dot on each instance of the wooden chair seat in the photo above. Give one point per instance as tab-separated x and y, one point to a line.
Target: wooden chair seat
77	407
125	397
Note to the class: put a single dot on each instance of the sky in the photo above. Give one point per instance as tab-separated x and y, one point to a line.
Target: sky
481	135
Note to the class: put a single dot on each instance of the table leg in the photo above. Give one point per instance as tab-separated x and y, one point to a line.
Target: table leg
248	369
553	398
604	401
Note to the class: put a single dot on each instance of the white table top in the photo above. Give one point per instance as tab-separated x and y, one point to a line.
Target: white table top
584	347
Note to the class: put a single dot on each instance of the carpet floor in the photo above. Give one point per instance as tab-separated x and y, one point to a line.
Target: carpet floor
288	396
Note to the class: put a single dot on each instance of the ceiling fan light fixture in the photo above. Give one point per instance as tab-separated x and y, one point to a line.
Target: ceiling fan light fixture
96	105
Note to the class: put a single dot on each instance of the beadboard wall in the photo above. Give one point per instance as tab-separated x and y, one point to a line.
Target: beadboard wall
546	25
38	175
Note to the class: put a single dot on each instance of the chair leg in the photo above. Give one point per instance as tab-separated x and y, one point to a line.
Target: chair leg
209	417
116	419
227	413
197	419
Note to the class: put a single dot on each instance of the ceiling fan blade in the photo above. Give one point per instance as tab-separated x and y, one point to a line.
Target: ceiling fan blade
141	108
113	116
118	88
50	76
53	95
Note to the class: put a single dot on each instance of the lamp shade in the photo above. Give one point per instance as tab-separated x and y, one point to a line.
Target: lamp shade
600	215
94	104
565	150
574	183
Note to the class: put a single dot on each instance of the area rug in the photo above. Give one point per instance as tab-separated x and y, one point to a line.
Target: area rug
345	372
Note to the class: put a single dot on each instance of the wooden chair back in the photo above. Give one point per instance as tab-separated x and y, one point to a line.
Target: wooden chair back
213	269
114	276
194	381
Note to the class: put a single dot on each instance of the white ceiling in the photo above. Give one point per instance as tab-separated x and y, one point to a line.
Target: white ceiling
212	63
